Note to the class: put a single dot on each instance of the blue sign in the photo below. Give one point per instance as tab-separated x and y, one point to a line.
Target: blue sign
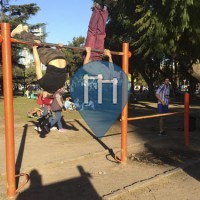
99	91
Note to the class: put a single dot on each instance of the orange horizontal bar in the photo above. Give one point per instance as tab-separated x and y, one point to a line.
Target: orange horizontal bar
65	46
153	116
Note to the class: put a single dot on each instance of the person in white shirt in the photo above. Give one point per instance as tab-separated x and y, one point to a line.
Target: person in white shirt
162	94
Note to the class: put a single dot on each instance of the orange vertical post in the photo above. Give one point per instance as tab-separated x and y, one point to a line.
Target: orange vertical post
186	117
8	109
124	116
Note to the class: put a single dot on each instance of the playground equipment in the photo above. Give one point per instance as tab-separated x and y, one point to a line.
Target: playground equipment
125	119
186	117
6	41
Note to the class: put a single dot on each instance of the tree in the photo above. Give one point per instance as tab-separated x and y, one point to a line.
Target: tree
174	28
159	32
16	14
74	58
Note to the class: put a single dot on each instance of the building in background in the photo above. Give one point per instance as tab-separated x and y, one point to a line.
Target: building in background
26	55
40	32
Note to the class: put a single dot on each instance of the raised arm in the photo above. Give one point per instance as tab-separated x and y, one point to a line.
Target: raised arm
37	63
88	55
107	53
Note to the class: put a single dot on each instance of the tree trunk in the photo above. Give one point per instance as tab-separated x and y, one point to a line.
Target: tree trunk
149	81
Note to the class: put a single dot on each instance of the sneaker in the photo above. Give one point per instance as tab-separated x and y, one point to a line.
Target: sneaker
62	130
53	128
37	128
162	133
26	28
97	5
17	30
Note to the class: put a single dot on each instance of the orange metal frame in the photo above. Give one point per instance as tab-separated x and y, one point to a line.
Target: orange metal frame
9	112
9	116
153	116
8	109
186	118
124	116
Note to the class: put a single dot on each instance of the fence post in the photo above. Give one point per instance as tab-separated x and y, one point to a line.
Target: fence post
8	109
186	117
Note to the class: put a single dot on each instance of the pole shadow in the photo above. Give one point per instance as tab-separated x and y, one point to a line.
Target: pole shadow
19	159
110	151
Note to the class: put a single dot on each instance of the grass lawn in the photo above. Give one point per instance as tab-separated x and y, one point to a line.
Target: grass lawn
23	105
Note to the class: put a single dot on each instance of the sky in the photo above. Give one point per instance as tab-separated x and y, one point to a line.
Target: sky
64	19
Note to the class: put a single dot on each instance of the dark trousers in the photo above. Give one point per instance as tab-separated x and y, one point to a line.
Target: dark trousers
44	115
96	32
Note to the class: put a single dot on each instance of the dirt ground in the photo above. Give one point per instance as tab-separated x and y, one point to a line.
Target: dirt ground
78	166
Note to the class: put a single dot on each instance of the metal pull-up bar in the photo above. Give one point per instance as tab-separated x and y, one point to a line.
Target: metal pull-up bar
65	47
6	41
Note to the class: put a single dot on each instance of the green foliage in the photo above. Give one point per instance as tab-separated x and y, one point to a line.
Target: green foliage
156	31
30	74
16	14
74	58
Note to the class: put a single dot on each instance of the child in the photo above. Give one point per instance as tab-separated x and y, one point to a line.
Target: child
44	104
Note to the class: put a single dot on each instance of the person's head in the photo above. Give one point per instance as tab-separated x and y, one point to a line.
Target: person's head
68	99
166	81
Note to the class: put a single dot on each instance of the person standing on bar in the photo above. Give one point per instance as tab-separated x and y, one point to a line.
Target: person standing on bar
53	58
162	94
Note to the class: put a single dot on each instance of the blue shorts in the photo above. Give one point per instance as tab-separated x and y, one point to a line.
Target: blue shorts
162	108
